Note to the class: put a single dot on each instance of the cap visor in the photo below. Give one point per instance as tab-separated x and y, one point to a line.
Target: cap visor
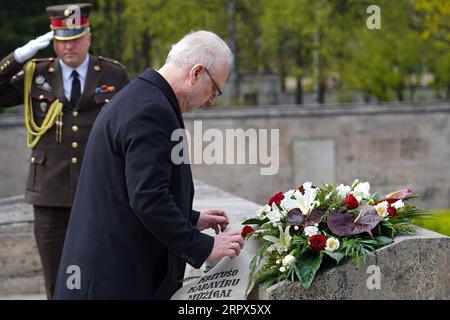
68	34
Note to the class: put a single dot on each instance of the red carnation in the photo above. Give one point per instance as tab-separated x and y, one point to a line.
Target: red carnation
246	231
276	199
350	202
392	211
318	242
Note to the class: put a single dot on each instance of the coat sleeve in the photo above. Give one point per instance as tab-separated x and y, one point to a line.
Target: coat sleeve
195	216
11	82
147	145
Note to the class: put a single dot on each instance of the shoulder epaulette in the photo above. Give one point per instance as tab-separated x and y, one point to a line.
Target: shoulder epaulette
117	63
43	59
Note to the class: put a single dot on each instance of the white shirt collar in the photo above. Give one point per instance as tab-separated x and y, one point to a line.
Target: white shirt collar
67	70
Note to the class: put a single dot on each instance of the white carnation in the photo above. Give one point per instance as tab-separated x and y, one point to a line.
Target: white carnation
332	244
311	231
288	260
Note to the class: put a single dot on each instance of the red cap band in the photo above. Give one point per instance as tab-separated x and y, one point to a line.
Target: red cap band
61	23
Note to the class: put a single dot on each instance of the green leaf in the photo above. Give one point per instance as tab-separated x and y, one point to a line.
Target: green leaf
255	221
338	256
309	264
383	241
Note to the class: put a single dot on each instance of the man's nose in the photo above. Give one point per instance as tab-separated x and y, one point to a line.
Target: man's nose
68	44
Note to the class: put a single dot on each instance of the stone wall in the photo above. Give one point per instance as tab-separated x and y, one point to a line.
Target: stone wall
14	156
391	146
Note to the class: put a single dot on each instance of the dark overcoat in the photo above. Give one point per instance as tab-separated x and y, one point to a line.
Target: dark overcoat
132	227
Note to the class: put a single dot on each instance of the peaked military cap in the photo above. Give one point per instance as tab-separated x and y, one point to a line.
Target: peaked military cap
69	21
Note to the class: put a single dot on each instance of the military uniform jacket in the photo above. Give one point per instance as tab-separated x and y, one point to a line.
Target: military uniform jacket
55	166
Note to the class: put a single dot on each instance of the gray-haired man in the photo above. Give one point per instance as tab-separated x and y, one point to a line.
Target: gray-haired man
132	226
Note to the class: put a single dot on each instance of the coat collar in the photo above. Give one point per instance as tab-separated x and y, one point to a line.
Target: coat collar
158	80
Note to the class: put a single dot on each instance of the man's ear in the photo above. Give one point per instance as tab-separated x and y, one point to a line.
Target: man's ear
195	72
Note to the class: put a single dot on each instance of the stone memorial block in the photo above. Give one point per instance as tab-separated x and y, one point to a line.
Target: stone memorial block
414	267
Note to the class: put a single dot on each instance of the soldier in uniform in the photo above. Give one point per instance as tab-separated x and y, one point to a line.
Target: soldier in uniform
62	97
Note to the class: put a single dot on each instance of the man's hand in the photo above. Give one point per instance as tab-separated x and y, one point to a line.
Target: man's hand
27	51
214	219
226	244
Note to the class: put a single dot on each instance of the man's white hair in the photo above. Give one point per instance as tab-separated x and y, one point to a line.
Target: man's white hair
200	47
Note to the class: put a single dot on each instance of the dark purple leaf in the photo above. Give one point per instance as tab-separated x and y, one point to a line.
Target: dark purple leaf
295	217
315	217
342	224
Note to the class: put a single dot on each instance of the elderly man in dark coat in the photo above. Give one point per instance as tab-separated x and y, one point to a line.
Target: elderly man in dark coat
132	226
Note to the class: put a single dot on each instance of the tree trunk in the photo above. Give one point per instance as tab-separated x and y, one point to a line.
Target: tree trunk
299	86
321	92
400	94
234	76
299	91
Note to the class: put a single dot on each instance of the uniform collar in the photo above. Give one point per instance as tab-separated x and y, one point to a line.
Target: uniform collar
67	70
157	79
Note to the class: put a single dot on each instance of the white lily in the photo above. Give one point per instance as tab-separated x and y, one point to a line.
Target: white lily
398	204
307	201
307	185
283	243
342	190
382	209
361	191
263	211
275	215
289	193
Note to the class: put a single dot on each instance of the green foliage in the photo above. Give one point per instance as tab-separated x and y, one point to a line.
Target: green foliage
307	266
359	248
311	41
438	221
404	222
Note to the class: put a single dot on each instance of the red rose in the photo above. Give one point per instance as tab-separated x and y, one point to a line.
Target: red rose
350	202
318	242
276	199
392	211
246	231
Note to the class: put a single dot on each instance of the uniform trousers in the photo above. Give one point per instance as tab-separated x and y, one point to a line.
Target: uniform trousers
50	225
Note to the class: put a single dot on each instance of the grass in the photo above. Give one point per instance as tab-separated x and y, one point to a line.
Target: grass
439	221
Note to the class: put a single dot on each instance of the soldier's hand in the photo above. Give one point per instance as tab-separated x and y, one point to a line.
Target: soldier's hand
27	51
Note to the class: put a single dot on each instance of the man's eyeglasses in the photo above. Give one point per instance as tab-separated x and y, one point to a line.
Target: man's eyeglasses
214	83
